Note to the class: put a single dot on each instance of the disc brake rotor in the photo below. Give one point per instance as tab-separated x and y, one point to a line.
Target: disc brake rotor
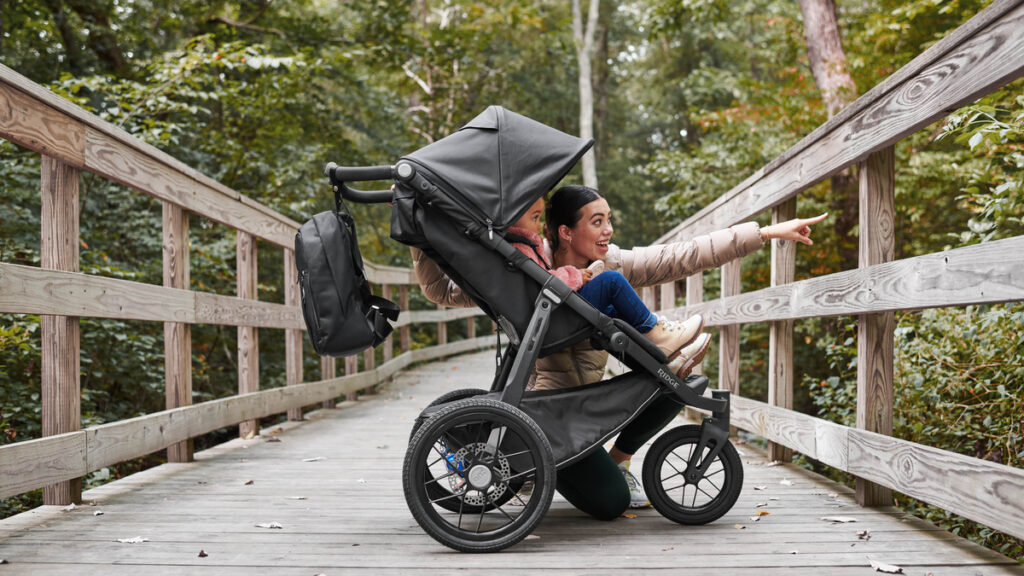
477	497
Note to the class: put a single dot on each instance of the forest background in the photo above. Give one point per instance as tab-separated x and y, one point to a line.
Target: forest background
689	98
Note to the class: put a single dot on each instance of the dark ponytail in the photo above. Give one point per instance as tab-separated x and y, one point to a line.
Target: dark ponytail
565	208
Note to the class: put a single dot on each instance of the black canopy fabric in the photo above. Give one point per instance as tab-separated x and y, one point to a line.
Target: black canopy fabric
501	162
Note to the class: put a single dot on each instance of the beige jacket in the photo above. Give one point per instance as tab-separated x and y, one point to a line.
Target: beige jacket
645	266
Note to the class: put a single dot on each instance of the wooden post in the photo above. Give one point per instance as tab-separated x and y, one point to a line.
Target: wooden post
177	335
471	327
647	296
248	337
875	331
351	367
668	296
780	334
327	372
389	346
729	336
442	330
292	337
694	296
61	385
404	336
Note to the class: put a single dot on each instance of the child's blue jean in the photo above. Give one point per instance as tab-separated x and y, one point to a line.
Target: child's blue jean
611	293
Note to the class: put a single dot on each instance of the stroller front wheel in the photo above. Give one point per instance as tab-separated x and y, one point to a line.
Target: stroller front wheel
481	451
683	500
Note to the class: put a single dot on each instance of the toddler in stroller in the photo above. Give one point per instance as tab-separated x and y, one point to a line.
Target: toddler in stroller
611	293
471	451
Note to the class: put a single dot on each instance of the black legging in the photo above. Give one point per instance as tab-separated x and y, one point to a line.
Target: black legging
594	484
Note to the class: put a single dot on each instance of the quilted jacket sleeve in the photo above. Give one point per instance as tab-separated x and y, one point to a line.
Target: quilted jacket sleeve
436	285
653	265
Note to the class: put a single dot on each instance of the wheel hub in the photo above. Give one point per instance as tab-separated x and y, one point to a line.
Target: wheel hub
480	477
480	493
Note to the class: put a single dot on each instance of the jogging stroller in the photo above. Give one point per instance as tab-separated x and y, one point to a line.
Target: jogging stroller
472	451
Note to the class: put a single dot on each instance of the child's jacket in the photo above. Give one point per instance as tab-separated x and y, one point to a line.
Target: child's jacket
531	244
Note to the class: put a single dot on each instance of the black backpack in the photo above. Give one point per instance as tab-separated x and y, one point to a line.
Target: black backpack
342	316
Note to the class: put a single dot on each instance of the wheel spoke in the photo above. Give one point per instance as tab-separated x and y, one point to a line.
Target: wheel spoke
448	497
683	485
705	493
530	471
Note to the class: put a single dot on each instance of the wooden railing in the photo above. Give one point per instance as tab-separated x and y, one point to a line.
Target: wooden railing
976	59
71	140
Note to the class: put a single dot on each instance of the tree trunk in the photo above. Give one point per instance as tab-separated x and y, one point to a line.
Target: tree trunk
832	77
584	54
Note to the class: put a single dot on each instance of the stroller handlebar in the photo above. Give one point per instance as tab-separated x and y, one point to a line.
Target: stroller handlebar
339	175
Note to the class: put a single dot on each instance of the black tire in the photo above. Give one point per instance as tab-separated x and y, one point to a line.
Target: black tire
682	501
438	491
451	447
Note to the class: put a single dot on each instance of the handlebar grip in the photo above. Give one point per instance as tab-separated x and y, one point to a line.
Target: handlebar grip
358	173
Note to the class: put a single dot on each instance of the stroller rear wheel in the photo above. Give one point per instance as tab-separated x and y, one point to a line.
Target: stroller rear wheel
438	490
479	451
683	500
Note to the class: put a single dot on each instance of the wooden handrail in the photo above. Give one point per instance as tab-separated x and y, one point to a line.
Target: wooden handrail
70	139
979	57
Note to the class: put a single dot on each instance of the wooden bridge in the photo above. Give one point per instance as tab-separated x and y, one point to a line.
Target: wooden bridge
333	484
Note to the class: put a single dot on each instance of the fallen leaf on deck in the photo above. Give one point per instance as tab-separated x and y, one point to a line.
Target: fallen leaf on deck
669	548
755	518
136	540
629	515
760	487
69	508
773	497
739	526
773	463
361	481
273	439
843	519
317	459
833	495
533	537
786	482
203	554
276	431
382	447
760	504
887	568
296	497
98	513
3	561
864	534
250	482
250	435
762	512
455	367
272	525
794	551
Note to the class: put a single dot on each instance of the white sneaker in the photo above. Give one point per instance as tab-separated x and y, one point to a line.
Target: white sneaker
637	498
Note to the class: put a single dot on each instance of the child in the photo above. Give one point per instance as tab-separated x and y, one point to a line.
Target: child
611	293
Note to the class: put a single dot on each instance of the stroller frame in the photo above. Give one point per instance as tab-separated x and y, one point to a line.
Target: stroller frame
471	452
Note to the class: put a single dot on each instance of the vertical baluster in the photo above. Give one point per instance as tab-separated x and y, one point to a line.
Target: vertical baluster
729	340
668	297
404	336
780	334
389	347
442	329
292	336
328	371
61	385
351	367
248	337
694	296
875	331
177	335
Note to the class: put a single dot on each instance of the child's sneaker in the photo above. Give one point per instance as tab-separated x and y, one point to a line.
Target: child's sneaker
670	336
690	356
637	498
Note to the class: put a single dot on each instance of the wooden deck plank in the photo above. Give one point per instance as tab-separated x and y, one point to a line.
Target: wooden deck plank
354	518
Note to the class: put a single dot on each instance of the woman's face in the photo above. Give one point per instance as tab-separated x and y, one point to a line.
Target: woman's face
592	232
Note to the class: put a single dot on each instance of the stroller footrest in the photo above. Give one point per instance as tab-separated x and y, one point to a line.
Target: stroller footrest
697	382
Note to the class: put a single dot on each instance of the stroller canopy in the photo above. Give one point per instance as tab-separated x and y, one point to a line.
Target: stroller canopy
501	162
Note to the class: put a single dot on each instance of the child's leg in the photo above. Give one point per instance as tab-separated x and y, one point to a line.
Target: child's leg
611	293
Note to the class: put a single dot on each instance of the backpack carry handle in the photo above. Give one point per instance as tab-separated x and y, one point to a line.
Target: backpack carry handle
339	175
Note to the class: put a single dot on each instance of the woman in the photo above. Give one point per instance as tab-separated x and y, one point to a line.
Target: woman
579	231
